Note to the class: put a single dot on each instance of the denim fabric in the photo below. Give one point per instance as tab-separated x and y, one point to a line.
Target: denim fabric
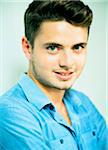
29	121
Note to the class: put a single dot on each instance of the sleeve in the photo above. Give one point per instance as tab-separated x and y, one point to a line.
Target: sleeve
20	130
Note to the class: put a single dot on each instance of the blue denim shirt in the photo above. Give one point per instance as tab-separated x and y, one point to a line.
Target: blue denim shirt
29	121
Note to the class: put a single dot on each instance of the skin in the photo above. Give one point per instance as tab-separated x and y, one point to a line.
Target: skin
58	57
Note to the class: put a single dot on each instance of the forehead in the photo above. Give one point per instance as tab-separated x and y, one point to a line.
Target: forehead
62	32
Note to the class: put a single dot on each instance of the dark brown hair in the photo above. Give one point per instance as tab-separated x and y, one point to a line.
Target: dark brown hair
74	12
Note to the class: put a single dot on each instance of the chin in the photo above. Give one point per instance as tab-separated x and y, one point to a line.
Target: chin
62	88
65	87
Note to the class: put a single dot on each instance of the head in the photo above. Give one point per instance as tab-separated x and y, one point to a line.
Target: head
39	11
55	42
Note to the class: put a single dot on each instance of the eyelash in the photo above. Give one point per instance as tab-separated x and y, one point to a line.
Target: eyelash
54	48
78	48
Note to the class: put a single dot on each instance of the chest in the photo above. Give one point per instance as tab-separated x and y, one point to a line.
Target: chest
59	134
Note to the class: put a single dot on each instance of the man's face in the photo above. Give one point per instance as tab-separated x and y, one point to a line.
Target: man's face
59	54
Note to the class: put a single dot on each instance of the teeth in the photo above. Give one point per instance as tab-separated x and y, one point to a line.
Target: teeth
65	74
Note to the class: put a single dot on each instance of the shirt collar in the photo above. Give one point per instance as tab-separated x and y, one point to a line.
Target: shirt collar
74	98
33	93
36	96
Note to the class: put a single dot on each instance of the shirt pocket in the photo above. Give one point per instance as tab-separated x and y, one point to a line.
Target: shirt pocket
89	140
63	143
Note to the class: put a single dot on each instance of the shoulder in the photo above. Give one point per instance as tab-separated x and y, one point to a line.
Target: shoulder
82	98
15	109
11	100
17	118
19	122
85	105
12	94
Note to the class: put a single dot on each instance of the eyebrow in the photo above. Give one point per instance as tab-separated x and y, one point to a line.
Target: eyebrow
53	43
80	44
60	45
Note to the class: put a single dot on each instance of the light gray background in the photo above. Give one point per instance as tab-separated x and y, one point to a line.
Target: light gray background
93	80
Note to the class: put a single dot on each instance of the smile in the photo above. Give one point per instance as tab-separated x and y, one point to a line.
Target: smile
64	75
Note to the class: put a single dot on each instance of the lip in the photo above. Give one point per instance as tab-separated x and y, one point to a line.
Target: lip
64	75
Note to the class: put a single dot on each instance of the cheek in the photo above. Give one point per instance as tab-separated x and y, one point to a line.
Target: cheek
50	61
52	58
81	62
45	62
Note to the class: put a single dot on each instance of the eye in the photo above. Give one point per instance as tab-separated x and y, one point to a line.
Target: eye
78	48
53	48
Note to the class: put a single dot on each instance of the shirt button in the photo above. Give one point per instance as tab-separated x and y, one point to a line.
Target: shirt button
51	107
61	141
93	133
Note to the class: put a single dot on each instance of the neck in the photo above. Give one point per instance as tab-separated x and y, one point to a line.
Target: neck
53	94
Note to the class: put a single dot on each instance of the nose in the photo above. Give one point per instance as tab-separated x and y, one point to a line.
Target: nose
66	59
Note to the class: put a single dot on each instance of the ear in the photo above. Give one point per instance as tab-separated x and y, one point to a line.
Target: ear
27	49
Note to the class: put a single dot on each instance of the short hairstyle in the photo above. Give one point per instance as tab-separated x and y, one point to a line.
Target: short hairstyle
39	11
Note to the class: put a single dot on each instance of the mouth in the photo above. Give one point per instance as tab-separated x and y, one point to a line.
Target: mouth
64	75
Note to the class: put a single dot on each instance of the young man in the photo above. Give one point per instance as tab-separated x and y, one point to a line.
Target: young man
42	111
